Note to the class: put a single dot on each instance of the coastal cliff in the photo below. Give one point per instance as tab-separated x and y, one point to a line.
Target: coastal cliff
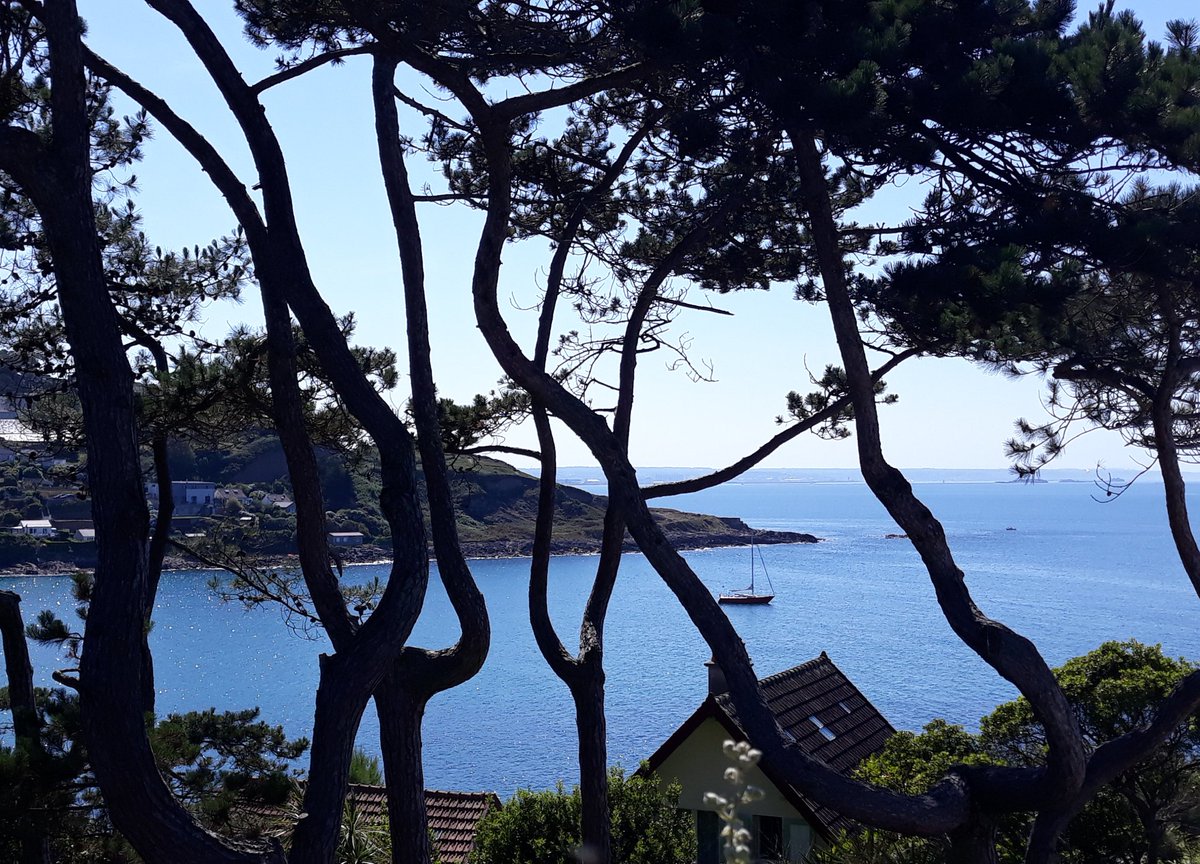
495	502
497	505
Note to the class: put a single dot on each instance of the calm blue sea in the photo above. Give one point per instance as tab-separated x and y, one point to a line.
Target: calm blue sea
1072	574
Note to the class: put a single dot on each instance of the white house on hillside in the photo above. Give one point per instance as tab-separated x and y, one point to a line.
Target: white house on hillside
191	497
36	527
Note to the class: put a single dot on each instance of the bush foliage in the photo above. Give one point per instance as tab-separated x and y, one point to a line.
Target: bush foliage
544	827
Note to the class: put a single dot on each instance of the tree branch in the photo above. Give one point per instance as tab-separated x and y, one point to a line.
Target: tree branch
724	475
1010	654
496	448
307	66
530	103
218	170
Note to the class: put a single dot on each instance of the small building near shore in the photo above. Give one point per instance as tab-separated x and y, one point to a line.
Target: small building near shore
279	502
37	528
190	497
231	493
346	538
827	717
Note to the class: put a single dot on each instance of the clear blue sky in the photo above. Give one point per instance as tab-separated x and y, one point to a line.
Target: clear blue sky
949	415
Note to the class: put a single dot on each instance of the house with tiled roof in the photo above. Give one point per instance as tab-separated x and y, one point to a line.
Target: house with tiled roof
817	706
453	816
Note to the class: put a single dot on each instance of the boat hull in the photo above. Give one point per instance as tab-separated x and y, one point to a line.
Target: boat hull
745	599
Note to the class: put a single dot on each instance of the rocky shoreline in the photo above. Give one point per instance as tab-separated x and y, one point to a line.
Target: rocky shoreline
524	548
476	550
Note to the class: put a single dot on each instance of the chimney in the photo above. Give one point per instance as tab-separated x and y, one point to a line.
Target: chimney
716	678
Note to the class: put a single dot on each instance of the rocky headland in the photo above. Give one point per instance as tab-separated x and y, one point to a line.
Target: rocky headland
497	508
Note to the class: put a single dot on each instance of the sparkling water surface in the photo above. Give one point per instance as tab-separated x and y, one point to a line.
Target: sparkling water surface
1070	574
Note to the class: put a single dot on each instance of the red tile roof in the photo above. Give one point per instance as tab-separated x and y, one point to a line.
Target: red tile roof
454	819
453	816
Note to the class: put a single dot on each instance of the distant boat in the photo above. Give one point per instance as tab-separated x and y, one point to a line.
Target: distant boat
748	596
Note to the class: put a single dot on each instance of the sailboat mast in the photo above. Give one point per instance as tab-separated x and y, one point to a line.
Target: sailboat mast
752	565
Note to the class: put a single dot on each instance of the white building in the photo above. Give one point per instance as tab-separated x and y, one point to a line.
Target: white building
37	527
191	497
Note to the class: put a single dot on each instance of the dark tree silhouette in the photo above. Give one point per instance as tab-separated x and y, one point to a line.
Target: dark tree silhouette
779	118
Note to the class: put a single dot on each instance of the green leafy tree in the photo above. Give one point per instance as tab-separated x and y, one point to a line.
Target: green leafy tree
912	764
544	827
1147	815
214	762
217	760
1105	311
1149	812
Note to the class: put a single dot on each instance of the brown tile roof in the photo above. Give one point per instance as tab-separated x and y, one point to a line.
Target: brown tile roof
851	727
454	819
453	816
820	689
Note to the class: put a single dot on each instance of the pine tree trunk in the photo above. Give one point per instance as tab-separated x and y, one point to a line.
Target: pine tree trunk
156	554
974	842
19	669
593	767
334	727
56	174
35	847
400	716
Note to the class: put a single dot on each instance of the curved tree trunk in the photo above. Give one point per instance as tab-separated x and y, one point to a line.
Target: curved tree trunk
364	654
157	551
1010	654
19	672
1162	417
112	668
583	673
335	724
419	674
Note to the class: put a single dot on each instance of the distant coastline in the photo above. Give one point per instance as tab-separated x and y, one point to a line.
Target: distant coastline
473	550
592	479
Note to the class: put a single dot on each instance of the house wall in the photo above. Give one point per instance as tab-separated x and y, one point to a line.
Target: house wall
188	492
698	766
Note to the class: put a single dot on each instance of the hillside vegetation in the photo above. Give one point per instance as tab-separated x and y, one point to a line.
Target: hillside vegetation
496	505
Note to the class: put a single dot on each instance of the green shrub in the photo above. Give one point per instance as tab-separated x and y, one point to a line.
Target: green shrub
17	549
543	827
364	768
